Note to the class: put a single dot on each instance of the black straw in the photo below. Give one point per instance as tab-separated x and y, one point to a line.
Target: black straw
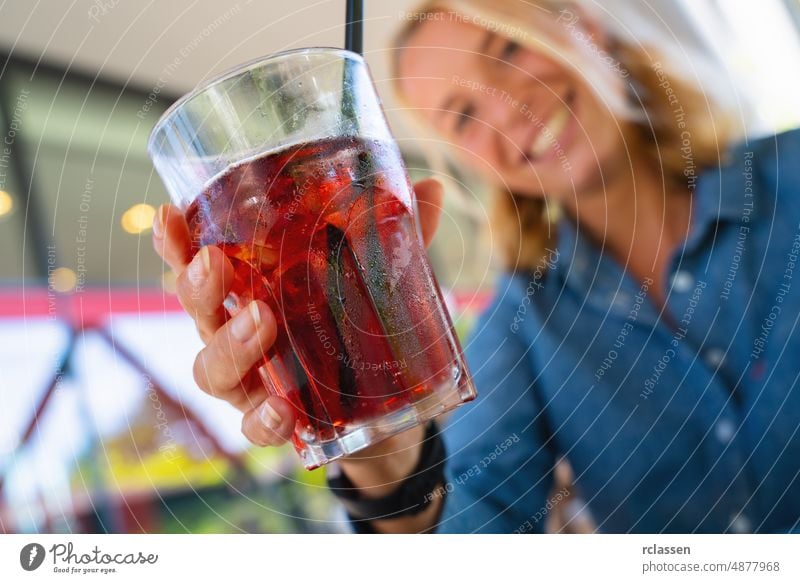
354	27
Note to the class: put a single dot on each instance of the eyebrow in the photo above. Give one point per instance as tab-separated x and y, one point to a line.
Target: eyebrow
483	50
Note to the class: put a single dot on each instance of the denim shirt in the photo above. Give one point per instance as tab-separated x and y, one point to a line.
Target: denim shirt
681	420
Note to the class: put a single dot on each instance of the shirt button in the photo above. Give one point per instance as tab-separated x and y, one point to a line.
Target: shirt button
725	430
714	357
740	524
682	281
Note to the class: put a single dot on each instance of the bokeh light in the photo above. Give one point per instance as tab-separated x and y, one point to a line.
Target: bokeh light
138	218
6	203
63	279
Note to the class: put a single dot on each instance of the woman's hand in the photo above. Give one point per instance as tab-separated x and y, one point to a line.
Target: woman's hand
226	367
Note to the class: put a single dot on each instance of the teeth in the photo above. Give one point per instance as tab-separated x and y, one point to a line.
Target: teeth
549	134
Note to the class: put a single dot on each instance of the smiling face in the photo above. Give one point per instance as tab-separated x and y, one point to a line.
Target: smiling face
525	120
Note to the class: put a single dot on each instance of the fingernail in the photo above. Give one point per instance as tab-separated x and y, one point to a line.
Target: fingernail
253	307
159	220
245	323
269	416
206	257
198	268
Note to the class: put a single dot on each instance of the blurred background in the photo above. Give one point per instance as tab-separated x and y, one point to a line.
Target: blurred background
101	426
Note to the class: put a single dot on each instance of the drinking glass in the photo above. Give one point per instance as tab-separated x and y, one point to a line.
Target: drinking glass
287	164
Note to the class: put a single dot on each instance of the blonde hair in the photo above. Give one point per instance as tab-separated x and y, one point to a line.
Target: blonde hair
664	105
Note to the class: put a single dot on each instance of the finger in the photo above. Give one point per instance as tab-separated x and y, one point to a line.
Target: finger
171	238
269	423
234	349
202	288
430	196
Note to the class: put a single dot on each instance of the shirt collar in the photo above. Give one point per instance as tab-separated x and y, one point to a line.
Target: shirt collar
727	191
721	194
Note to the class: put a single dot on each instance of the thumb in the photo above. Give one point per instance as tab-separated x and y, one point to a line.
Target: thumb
430	196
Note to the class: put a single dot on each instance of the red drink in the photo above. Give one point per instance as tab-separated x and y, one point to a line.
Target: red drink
324	234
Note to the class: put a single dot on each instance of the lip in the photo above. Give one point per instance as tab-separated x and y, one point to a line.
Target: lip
563	140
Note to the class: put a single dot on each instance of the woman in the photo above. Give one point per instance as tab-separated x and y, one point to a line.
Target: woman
645	325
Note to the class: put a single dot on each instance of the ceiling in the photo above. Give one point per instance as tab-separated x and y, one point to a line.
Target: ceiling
134	42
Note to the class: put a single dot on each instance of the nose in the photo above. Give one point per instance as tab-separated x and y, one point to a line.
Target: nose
498	131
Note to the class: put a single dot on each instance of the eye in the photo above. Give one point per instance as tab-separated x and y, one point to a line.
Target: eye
464	116
509	50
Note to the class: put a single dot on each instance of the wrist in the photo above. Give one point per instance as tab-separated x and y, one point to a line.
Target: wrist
381	468
404	498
